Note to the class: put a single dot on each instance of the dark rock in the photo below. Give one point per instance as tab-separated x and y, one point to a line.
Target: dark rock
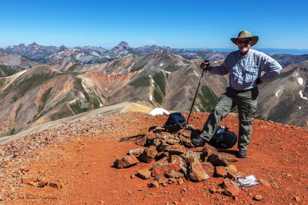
161	155
175	149
125	162
216	160
150	137
172	180
55	185
208	150
153	184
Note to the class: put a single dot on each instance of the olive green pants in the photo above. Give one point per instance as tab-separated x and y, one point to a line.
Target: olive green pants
246	103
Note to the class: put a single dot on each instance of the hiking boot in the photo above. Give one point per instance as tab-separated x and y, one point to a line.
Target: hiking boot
198	141
242	153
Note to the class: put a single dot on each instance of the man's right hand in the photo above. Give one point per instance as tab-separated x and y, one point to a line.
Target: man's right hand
205	65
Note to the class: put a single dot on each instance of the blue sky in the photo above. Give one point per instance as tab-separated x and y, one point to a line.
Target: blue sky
176	23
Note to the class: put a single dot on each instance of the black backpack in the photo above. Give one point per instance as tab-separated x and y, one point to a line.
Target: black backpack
223	139
175	122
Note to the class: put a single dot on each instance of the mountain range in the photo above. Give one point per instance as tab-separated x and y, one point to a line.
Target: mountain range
39	83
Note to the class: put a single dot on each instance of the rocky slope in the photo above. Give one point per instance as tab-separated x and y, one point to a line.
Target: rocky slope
42	94
285	99
70	162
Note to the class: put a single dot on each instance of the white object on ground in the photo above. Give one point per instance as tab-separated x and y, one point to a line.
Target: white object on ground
159	111
300	81
247	181
278	92
301	95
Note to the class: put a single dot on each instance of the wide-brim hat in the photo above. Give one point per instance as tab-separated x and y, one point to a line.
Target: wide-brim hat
246	35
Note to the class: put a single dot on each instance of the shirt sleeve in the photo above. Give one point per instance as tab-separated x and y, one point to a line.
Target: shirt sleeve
270	67
221	69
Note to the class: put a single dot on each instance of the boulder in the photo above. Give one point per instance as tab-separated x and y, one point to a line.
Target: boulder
125	162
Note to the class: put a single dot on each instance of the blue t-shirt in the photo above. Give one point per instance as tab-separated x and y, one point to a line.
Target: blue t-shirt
244	70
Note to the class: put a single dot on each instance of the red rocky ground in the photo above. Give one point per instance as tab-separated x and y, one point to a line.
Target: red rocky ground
78	169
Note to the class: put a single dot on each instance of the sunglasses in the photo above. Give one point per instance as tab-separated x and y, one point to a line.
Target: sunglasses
243	41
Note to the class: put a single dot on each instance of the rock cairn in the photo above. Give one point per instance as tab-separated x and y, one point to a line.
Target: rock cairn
172	158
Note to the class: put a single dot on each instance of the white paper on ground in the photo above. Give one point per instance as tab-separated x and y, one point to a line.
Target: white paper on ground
247	181
159	111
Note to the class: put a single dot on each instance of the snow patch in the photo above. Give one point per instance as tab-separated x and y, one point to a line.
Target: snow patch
278	93
159	111
151	88
161	64
195	72
300	81
301	95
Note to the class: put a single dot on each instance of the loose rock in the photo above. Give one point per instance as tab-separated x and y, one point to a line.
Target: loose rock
144	173
153	184
136	152
197	173
125	162
258	197
230	188
217	160
174	174
149	154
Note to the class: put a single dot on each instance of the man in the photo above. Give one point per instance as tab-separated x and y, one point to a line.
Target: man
246	68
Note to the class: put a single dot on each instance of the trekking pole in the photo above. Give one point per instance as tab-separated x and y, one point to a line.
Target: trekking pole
194	99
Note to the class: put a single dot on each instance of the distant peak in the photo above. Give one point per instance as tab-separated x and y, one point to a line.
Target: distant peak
34	44
123	44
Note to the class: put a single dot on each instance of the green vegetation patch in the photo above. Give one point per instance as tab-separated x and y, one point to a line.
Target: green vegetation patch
7	70
160	81
29	83
44	99
142	81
